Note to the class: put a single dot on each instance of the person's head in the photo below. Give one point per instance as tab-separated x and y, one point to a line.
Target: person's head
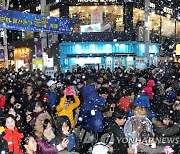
103	92
69	100
51	84
100	79
176	105
140	111
64	125
47	128
28	145
37	94
43	121
10	122
11	98
166	120
39	81
12	111
29	89
39	106
119	116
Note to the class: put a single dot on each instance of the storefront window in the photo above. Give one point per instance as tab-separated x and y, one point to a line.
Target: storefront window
154	23
168	27
109	17
138	17
154	27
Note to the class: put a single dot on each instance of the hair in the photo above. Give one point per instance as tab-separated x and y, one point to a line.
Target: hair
60	122
10	96
45	124
40	124
9	116
40	104
25	141
103	90
8	107
140	111
70	98
119	114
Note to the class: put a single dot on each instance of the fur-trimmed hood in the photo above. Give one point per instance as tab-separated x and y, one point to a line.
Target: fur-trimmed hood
38	128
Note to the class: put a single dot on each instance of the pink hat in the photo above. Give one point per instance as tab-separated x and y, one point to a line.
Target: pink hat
69	91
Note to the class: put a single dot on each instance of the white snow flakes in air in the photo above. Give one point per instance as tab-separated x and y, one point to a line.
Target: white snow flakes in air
93	112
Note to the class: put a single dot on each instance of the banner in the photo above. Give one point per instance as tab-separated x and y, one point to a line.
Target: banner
14	20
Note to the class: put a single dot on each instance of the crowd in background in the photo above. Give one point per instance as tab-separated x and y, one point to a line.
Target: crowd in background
72	112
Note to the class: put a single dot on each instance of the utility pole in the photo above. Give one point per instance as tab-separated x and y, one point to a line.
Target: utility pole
43	35
146	30
5	6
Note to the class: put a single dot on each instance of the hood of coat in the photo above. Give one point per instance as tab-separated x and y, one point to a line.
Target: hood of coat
150	83
38	128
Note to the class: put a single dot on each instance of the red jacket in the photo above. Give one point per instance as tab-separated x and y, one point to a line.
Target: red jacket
2	102
13	139
148	89
124	103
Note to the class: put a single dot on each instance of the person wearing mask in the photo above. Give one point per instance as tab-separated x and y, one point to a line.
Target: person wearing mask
68	104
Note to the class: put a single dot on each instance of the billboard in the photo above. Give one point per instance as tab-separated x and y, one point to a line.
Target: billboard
90	28
14	20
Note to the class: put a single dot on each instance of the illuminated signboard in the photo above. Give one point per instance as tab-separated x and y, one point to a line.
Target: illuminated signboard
14	20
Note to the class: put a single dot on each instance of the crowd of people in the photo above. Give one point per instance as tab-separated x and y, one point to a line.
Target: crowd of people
86	111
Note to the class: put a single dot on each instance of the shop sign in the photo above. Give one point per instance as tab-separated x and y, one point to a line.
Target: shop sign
14	20
168	10
97	1
152	5
178	49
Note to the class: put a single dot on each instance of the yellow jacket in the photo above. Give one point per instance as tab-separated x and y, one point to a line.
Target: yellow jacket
69	110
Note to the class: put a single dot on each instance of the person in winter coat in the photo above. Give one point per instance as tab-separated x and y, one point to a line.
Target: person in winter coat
68	104
52	94
28	102
29	145
146	141
142	100
176	112
167	104
39	108
2	103
20	123
116	128
12	135
3	142
148	89
64	128
126	102
47	141
90	116
167	128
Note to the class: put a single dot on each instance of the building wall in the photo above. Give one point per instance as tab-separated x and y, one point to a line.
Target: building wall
104	53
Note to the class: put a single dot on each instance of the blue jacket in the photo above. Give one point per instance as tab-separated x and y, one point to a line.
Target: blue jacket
52	96
90	116
142	100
